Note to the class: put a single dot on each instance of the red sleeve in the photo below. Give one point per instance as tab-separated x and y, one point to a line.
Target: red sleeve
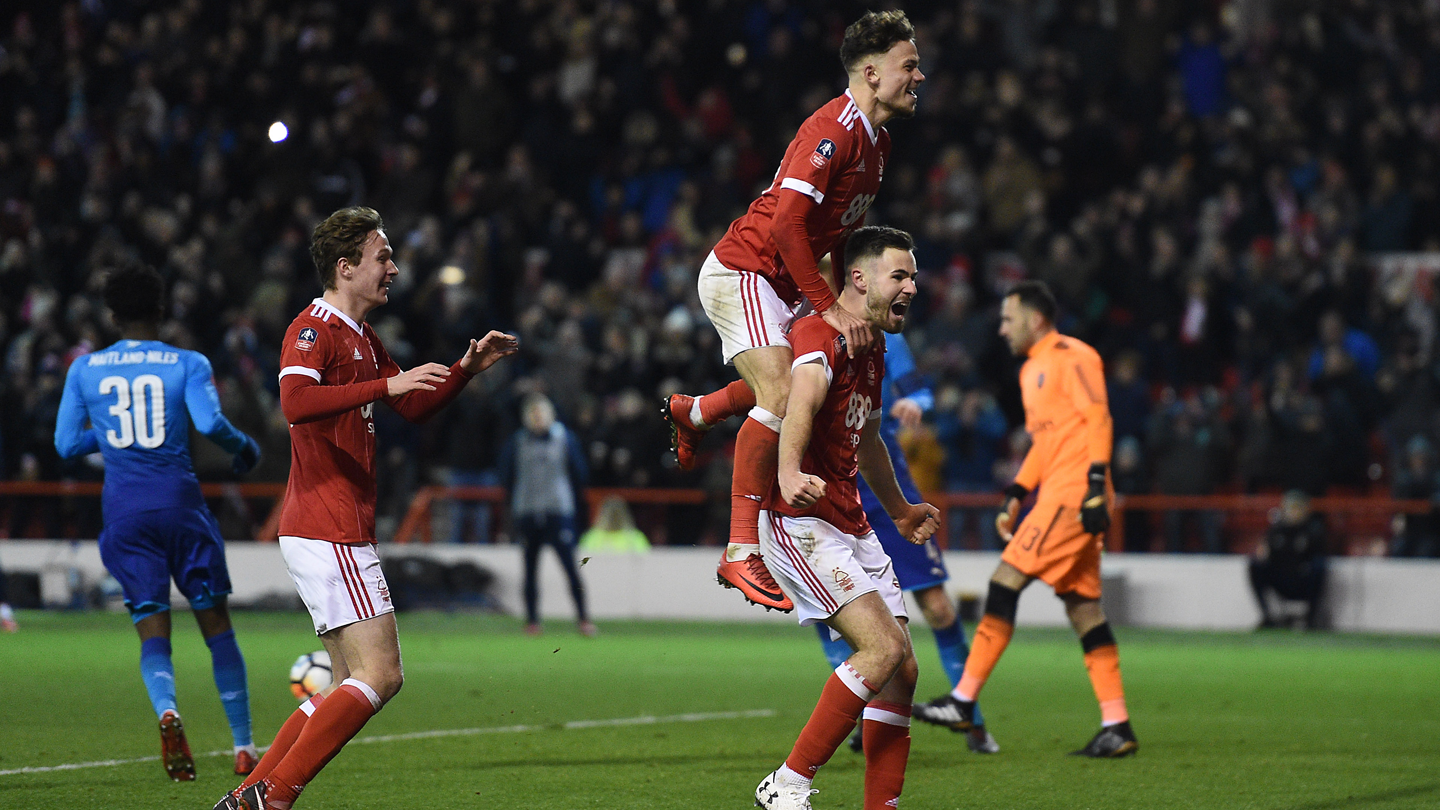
791	233
417	406
306	400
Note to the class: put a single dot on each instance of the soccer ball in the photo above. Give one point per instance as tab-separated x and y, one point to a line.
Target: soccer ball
310	674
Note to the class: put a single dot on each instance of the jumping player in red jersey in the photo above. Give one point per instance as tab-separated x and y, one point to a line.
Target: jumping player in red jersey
819	543
333	371
753	284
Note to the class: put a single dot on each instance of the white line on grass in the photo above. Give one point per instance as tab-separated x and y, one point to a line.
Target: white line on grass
643	720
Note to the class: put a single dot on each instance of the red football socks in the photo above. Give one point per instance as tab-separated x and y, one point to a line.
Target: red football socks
284	738
831	722
1103	664
732	400
338	720
757	460
991	639
887	749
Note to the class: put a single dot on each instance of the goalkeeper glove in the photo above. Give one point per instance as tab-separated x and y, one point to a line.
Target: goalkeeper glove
1094	515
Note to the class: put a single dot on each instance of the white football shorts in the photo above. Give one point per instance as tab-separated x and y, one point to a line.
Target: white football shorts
744	309
339	584
822	569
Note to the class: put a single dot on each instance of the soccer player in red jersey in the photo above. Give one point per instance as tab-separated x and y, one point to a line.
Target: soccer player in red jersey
818	542
753	284
333	371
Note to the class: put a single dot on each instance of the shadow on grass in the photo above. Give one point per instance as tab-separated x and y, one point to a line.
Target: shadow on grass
1372	798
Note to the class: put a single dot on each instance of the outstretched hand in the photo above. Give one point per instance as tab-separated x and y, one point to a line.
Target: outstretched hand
420	378
919	522
483	353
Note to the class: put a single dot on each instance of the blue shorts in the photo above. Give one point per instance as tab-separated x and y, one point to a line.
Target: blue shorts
917	567
144	550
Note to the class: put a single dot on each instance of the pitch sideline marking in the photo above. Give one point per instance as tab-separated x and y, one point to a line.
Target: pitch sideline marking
573	725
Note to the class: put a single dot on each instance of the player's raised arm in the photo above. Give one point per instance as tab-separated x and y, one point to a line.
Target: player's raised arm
808	386
421	392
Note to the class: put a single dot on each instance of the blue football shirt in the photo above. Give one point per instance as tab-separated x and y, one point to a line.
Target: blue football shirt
140	398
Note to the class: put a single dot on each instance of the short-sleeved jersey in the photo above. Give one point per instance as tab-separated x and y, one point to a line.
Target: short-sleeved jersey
1061	381
331	491
140	397
851	401
837	159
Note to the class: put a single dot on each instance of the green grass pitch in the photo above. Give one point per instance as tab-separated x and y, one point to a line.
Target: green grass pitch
1274	720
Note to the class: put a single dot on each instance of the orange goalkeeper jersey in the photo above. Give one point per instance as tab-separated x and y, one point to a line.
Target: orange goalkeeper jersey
1068	418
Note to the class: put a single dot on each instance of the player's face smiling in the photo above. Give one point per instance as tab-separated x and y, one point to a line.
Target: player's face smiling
900	78
890	290
376	270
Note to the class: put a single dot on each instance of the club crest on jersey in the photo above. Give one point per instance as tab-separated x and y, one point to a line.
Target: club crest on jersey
823	152
306	339
843	581
870	372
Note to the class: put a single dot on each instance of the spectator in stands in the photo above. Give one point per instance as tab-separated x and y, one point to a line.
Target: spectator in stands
1131	478
971	428
614	530
1129	397
1189	444
1417	478
544	469
474	428
1290	562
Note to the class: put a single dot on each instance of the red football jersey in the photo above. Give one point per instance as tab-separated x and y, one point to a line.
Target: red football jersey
853	400
837	159
331	491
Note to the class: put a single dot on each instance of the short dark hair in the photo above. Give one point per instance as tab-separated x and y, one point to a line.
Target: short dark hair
342	236
1036	295
872	241
876	32
135	293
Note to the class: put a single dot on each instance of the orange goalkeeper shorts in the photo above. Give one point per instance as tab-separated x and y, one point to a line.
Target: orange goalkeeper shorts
1052	546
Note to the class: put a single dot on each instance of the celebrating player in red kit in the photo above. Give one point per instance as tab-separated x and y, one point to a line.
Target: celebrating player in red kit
819	543
333	371
754	282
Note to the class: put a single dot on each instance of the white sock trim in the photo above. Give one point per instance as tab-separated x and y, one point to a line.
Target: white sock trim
695	414
792	777
886	717
958	695
375	702
854	681
309	706
765	418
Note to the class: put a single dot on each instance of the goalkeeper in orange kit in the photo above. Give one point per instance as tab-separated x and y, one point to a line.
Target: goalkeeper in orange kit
1068	418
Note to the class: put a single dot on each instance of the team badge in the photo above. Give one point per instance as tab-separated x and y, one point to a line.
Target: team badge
882	167
306	340
823	152
839	345
870	372
843	581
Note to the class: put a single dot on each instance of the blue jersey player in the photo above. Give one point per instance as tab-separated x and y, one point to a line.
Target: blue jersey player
139	398
920	569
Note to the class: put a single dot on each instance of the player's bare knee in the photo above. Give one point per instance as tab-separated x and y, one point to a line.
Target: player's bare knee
906	675
936	608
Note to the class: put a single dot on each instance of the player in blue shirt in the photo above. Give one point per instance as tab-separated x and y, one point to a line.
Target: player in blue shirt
139	397
920	569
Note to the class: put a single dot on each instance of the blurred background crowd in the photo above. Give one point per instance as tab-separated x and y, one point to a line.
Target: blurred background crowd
1210	187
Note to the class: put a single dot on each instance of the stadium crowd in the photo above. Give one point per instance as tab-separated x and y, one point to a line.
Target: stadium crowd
1204	185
